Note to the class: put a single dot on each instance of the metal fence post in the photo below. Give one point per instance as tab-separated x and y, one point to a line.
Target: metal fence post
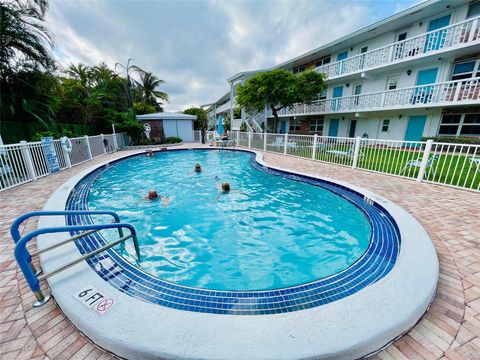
423	165
103	144
358	140
89	150
249	139
238	137
285	144
115	142
314	149
28	160
66	156
264	141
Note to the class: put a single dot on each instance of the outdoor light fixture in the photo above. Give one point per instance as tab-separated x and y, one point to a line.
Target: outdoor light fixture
409	72
347	84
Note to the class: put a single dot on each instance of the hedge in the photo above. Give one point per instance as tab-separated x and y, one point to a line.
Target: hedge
13	132
454	140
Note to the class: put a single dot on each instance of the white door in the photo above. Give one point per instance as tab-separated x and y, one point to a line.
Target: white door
185	130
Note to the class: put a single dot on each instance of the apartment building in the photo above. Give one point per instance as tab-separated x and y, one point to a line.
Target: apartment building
412	75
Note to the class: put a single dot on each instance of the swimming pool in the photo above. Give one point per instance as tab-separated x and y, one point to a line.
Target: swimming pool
347	314
269	232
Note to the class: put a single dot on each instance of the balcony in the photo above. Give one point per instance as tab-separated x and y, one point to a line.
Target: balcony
450	38
450	93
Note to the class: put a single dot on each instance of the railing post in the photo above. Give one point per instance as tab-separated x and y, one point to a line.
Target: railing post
473	31
66	156
103	144
89	150
314	149
249	139
458	88
423	165
28	160
358	141
238	137
115	142
285	140
264	141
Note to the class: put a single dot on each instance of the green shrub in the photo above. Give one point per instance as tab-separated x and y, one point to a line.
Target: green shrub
172	140
454	140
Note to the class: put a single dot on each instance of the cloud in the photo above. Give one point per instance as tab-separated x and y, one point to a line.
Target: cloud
196	45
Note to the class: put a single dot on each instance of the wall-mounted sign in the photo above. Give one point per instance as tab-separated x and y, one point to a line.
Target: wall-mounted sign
50	154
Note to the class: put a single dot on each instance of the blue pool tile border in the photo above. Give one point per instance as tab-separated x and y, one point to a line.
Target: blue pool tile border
377	261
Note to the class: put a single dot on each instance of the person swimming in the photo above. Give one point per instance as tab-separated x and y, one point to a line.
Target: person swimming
150	152
198	168
152	195
225	187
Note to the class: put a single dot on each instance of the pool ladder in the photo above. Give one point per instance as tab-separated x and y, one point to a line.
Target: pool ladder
24	257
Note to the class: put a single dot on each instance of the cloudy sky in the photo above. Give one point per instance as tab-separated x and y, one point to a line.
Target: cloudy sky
196	45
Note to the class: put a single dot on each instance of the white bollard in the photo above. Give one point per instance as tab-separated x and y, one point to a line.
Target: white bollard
285	140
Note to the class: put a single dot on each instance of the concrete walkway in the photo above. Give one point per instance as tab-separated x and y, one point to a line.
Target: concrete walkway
450	329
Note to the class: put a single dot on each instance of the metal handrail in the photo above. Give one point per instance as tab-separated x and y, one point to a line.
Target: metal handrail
15	228
23	256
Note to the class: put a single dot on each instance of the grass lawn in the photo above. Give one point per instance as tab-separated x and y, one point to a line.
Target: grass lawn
453	169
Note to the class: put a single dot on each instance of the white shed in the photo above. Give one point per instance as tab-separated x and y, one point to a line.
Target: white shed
174	124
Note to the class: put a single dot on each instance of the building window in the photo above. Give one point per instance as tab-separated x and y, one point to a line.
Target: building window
294	125
402	36
363	50
460	124
392	83
385	125
466	70
298	69
316	126
473	10
323	95
322	61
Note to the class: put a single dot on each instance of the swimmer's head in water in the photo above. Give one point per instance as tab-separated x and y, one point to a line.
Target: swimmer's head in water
198	168
225	187
152	195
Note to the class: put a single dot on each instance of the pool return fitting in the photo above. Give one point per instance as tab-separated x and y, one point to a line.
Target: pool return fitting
24	257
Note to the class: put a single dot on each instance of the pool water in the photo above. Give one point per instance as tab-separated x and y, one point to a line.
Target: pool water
269	232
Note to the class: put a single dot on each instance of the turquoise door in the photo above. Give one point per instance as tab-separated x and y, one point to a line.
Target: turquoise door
436	40
283	126
415	127
342	56
340	66
423	94
337	93
333	127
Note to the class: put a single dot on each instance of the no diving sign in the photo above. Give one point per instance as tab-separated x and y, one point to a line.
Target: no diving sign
95	300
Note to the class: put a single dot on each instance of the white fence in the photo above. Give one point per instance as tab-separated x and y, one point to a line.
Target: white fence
465	33
455	165
23	162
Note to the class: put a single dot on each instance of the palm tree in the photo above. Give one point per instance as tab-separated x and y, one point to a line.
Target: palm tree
82	73
130	83
23	36
148	85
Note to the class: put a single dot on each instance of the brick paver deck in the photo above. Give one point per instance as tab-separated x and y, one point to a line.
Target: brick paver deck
449	330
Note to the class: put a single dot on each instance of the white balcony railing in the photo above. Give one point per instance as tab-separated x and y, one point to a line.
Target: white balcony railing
222	108
439	94
457	35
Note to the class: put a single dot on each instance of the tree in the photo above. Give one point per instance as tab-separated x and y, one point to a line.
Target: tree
202	117
148	84
279	89
23	36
